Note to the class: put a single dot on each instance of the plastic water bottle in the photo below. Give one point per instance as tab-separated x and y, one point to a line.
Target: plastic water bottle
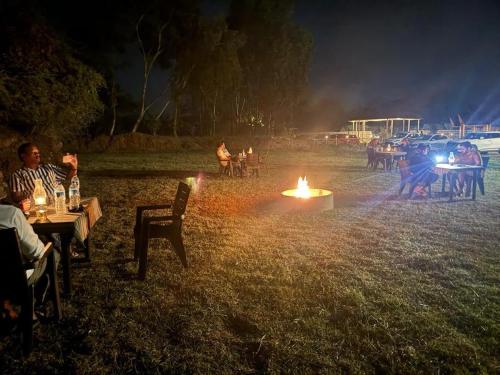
60	199
451	159
74	194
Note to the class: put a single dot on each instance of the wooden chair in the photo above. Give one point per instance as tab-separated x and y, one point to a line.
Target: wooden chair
168	227
407	177
253	164
17	287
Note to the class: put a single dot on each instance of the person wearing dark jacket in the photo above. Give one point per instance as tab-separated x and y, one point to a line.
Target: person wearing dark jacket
421	166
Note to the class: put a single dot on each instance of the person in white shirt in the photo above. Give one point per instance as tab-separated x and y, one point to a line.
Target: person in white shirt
22	181
225	158
13	217
32	248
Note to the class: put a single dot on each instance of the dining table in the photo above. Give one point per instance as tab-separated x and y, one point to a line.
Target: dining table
69	225
388	157
453	170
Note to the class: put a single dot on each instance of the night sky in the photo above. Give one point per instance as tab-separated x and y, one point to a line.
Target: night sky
427	58
421	58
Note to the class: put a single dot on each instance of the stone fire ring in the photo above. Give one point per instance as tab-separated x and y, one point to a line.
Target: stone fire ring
320	200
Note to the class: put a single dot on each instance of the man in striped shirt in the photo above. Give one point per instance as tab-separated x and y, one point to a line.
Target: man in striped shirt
22	181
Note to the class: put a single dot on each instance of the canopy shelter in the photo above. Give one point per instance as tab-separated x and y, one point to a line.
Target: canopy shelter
360	125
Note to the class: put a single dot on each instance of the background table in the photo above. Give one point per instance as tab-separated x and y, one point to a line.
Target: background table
69	225
453	170
388	156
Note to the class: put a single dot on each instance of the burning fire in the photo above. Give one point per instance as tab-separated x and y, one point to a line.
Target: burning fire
302	190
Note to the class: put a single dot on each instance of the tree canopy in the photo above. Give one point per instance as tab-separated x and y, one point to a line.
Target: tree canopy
218	73
44	88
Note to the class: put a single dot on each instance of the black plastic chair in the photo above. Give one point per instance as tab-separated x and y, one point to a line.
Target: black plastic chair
18	288
480	178
168	227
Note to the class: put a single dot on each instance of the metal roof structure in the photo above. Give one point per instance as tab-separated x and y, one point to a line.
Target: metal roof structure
360	125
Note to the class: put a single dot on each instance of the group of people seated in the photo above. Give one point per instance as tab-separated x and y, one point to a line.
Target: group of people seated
16	200
231	164
375	146
422	167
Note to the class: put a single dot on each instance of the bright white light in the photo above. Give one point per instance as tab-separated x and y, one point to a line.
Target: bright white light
439	158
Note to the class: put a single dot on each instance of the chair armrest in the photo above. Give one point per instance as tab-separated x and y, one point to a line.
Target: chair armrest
152	219
48	249
153	207
140	211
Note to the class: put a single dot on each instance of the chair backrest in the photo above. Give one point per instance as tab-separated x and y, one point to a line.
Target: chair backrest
404	169
13	282
252	160
181	199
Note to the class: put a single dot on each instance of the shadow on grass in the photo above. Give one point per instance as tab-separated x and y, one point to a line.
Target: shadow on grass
116	266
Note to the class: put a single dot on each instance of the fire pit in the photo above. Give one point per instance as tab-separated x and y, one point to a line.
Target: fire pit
305	199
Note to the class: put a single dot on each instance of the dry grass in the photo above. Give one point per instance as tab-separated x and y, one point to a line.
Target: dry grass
376	285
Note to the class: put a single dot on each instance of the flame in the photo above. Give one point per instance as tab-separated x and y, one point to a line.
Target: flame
302	190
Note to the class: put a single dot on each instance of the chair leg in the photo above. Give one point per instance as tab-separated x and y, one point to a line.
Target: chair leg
27	311
176	240
143	256
468	186
402	185
86	245
413	185
137	243
54	286
480	183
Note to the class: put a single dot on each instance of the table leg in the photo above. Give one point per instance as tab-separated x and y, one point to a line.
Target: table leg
66	262
443	183
474	183
453	181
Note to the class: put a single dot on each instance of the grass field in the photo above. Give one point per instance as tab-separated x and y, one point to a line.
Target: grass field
377	285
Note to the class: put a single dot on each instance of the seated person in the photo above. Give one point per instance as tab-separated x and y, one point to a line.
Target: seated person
371	147
404	145
225	158
470	156
22	180
421	166
31	246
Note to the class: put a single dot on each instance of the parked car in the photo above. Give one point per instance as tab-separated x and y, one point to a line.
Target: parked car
485	141
434	141
396	139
